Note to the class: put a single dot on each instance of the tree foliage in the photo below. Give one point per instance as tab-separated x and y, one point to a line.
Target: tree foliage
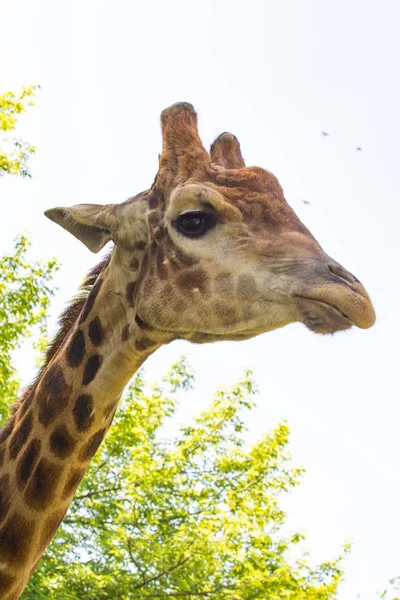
194	515
25	293
14	152
25	289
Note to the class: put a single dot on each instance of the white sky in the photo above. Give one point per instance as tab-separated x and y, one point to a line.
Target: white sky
275	73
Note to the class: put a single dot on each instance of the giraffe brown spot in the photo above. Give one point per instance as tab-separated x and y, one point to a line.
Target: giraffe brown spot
157	193
154	201
62	443
144	343
54	395
130	290
16	539
158	231
76	350
90	449
73	482
125	333
226	314
134	264
91	300
140	245
223	283
5	496
92	366
27	462
194	279
141	323
51	526
96	332
7	430
246	286
83	412
7	580
20	436
43	484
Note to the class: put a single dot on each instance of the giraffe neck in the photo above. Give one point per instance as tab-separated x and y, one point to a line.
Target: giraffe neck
47	446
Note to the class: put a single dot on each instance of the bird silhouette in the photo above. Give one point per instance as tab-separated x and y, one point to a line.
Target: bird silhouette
306	202
358	149
324	133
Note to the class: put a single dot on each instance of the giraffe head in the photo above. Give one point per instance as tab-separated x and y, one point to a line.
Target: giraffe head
218	252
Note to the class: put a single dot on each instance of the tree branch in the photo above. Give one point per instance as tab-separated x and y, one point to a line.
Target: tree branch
139	568
186	594
180	562
96	493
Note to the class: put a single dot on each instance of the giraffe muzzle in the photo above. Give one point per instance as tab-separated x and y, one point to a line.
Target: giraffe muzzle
335	300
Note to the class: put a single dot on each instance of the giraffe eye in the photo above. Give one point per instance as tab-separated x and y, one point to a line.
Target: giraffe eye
195	224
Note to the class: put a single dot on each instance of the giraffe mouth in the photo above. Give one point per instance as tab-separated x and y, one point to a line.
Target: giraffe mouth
321	316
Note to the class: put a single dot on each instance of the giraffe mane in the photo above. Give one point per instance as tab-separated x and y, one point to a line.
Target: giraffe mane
66	320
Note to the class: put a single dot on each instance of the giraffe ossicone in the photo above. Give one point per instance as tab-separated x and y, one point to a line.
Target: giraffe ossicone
212	251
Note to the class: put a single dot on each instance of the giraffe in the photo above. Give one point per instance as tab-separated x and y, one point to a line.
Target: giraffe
212	251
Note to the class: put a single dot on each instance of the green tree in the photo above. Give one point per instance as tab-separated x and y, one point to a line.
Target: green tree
195	515
14	152
25	294
25	290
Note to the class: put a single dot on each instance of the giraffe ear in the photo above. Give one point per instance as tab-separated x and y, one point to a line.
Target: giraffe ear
87	222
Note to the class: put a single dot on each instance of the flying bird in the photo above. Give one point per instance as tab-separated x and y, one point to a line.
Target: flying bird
306	202
358	149
324	133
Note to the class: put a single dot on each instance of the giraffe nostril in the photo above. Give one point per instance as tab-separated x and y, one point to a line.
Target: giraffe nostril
341	273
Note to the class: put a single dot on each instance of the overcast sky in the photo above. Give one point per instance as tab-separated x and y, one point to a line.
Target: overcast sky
275	73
